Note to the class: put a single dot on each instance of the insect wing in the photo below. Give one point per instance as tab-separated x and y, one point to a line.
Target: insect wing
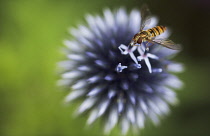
145	16
167	43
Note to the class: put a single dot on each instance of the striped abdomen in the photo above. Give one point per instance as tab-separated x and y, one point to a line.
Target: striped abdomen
155	31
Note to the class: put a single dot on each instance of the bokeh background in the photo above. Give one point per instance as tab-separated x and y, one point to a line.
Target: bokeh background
31	35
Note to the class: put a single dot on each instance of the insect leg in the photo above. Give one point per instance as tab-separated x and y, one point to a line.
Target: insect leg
147	46
137	44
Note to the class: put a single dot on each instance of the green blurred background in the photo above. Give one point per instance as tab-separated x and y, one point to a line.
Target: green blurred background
31	35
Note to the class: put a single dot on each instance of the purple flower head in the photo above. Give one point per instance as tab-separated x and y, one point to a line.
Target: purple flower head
125	87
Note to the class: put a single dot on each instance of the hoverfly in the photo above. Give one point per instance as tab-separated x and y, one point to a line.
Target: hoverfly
149	35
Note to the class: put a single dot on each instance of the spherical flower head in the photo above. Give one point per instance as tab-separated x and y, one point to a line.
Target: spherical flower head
124	86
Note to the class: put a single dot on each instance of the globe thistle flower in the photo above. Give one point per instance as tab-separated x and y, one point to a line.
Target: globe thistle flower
125	87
